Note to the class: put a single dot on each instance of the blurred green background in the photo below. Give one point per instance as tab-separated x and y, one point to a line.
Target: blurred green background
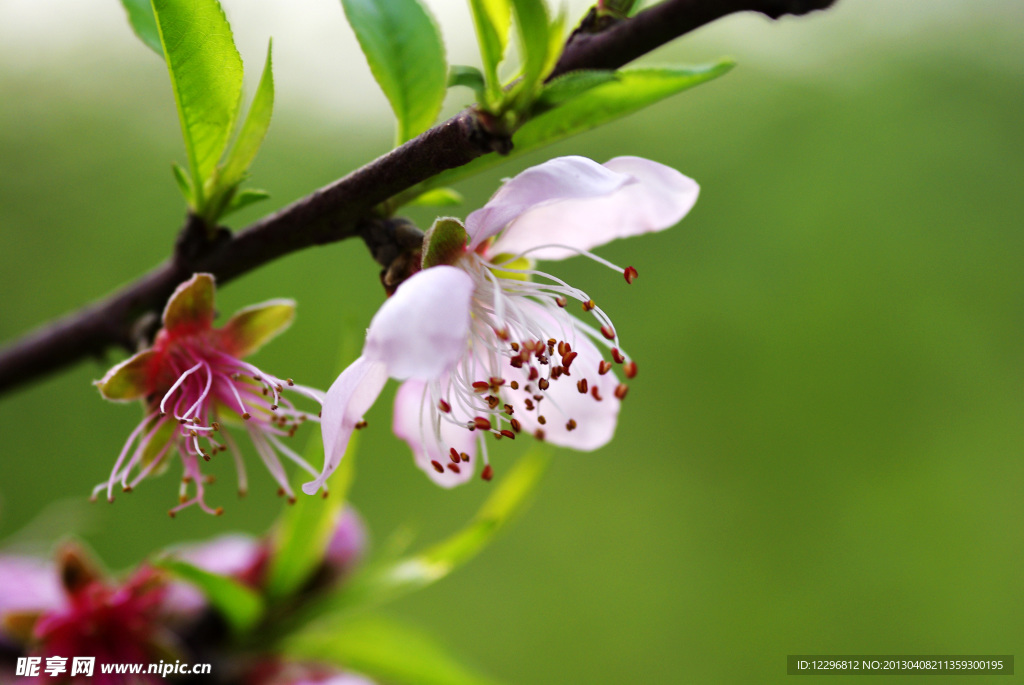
824	450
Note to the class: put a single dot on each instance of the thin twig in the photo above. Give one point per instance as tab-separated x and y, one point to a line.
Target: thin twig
338	211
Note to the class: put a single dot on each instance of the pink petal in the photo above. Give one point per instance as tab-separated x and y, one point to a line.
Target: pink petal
413	423
556	180
29	584
421	331
351	395
595	420
658	198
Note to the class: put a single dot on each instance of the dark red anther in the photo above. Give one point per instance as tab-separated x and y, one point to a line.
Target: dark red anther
608	332
444	406
515	425
542	420
454	468
588	305
481	423
604	367
492	401
502	334
496	382
561	301
595	393
534	373
361	424
465	457
562	348
437	466
568	359
481	386
630	369
570	425
487	473
543	384
529	404
581	385
516	362
514	385
629	274
617	356
620	390
508	434
509	409
515	347
539	434
454	455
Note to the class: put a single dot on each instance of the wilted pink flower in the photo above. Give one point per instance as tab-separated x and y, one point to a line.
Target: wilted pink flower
484	348
193	382
70	609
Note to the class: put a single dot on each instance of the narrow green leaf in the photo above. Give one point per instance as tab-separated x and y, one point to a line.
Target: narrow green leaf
240	606
394	578
533	32
469	77
384	650
206	76
243	199
439	197
184	184
304	530
569	86
403	46
254	130
492	20
631	91
143	22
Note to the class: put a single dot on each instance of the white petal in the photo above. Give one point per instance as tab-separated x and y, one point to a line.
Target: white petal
412	423
421	331
558	179
351	395
595	420
658	199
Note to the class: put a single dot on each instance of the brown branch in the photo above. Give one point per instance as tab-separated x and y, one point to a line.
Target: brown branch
339	211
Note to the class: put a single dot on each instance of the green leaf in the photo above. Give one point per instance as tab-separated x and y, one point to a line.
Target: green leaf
533	32
569	86
492	20
143	21
469	77
304	530
403	46
631	91
206	76
184	184
240	606
394	578
243	199
254	130
384	650
439	197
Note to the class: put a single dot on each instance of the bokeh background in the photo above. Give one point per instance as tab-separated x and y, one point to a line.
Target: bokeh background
824	450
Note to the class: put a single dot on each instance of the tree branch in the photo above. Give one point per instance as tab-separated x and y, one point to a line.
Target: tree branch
339	211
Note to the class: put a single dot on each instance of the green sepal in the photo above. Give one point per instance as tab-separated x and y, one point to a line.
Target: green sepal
439	197
240	606
383	649
143	23
444	242
128	380
252	327
191	305
156	444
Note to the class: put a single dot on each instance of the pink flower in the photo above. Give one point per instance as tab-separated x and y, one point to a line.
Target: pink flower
193	383
484	348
